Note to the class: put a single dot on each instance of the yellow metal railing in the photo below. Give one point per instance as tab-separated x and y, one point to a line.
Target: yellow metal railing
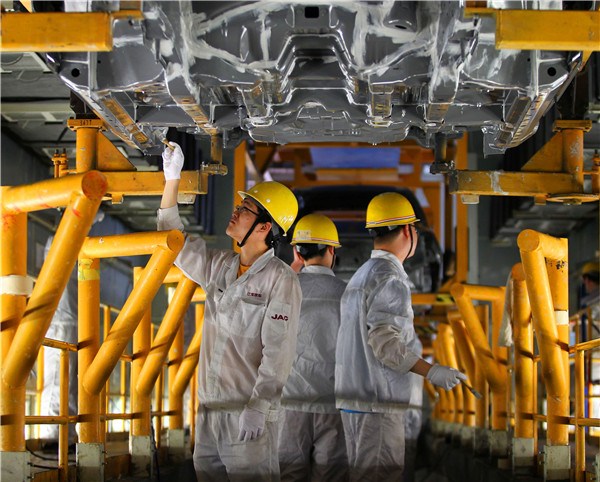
539	304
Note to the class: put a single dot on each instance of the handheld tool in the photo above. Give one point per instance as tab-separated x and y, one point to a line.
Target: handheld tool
166	143
475	393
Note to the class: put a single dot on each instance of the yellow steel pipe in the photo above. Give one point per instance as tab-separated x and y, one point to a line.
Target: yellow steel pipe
13	262
190	360
63	411
165	335
448	397
140	298
495	373
463	344
53	193
133	244
447	342
547	30
175	359
573	153
86	146
199	297
88	329
174	275
466	363
523	341
51	282
550	321
106	392
480	383
140	405
158	403
579	414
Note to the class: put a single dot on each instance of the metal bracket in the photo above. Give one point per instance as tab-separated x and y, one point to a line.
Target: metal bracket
90	462
555	173
523	453
214	168
556	460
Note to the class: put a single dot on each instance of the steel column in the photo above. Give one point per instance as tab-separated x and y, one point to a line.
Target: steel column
140	405
88	328
13	243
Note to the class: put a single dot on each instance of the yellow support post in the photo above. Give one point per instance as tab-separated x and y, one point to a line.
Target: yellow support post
140	405
159	387
166	333
466	359
449	359
105	396
493	362
13	242
239	177
523	340
461	243
545	261
579	414
190	360
166	246
88	327
175	359
480	383
63	428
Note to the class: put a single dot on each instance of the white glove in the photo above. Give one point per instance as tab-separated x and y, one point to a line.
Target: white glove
445	377
172	161
252	424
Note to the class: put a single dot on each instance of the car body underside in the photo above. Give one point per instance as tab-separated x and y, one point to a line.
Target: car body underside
282	72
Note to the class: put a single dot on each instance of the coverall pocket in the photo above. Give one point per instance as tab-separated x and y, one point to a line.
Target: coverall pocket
249	319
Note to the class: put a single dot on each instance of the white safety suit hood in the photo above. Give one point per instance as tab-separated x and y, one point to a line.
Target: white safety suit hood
376	342
310	387
250	324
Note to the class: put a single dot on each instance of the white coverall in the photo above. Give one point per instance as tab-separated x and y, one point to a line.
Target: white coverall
413	420
376	348
248	345
592	301
63	328
311	442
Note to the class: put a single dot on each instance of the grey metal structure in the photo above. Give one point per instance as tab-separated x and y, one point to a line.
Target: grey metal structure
376	71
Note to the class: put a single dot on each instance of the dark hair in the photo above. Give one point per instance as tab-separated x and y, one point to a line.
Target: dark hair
593	276
386	233
273	237
309	251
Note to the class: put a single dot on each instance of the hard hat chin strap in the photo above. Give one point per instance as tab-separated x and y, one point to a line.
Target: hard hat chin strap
256	223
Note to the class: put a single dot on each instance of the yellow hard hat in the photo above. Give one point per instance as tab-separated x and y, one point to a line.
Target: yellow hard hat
277	200
590	267
389	209
316	229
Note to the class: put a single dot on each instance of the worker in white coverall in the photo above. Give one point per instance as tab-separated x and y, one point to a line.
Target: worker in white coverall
590	302
311	441
249	334
62	328
376	346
